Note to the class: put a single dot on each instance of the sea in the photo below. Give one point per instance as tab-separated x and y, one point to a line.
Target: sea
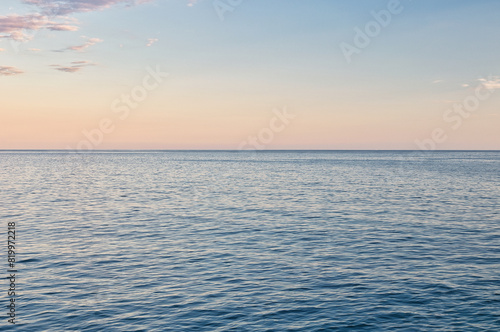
251	241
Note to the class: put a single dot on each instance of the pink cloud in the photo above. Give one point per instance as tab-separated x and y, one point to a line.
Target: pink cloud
81	62
9	71
61	27
15	26
64	7
82	47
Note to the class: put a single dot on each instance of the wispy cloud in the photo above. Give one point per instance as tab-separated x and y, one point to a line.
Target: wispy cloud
61	27
65	7
53	16
81	47
437	81
9	71
15	26
2	49
151	41
74	66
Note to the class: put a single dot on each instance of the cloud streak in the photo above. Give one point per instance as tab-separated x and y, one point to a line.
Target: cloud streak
82	47
74	66
9	71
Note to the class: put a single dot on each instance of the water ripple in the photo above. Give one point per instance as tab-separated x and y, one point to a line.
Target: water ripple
273	241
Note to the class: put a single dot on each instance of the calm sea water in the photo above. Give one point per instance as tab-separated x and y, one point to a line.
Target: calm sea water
270	241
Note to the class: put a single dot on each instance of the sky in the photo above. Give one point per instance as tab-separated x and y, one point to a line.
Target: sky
241	74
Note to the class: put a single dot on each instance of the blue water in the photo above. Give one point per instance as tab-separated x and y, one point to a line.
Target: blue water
269	241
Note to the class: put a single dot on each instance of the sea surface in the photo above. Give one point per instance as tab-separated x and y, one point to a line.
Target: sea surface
243	241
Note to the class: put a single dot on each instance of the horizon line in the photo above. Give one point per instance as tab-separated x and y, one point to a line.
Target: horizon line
243	151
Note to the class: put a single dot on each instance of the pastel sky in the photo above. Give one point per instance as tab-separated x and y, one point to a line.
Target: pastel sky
270	74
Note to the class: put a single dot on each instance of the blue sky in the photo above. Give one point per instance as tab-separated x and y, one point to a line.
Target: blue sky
225	76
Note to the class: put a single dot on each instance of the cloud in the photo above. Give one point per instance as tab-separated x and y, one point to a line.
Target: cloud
491	83
74	66
2	49
82	47
67	69
50	13
61	27
65	7
191	3
90	42
15	26
437	81
9	71
151	41
34	49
